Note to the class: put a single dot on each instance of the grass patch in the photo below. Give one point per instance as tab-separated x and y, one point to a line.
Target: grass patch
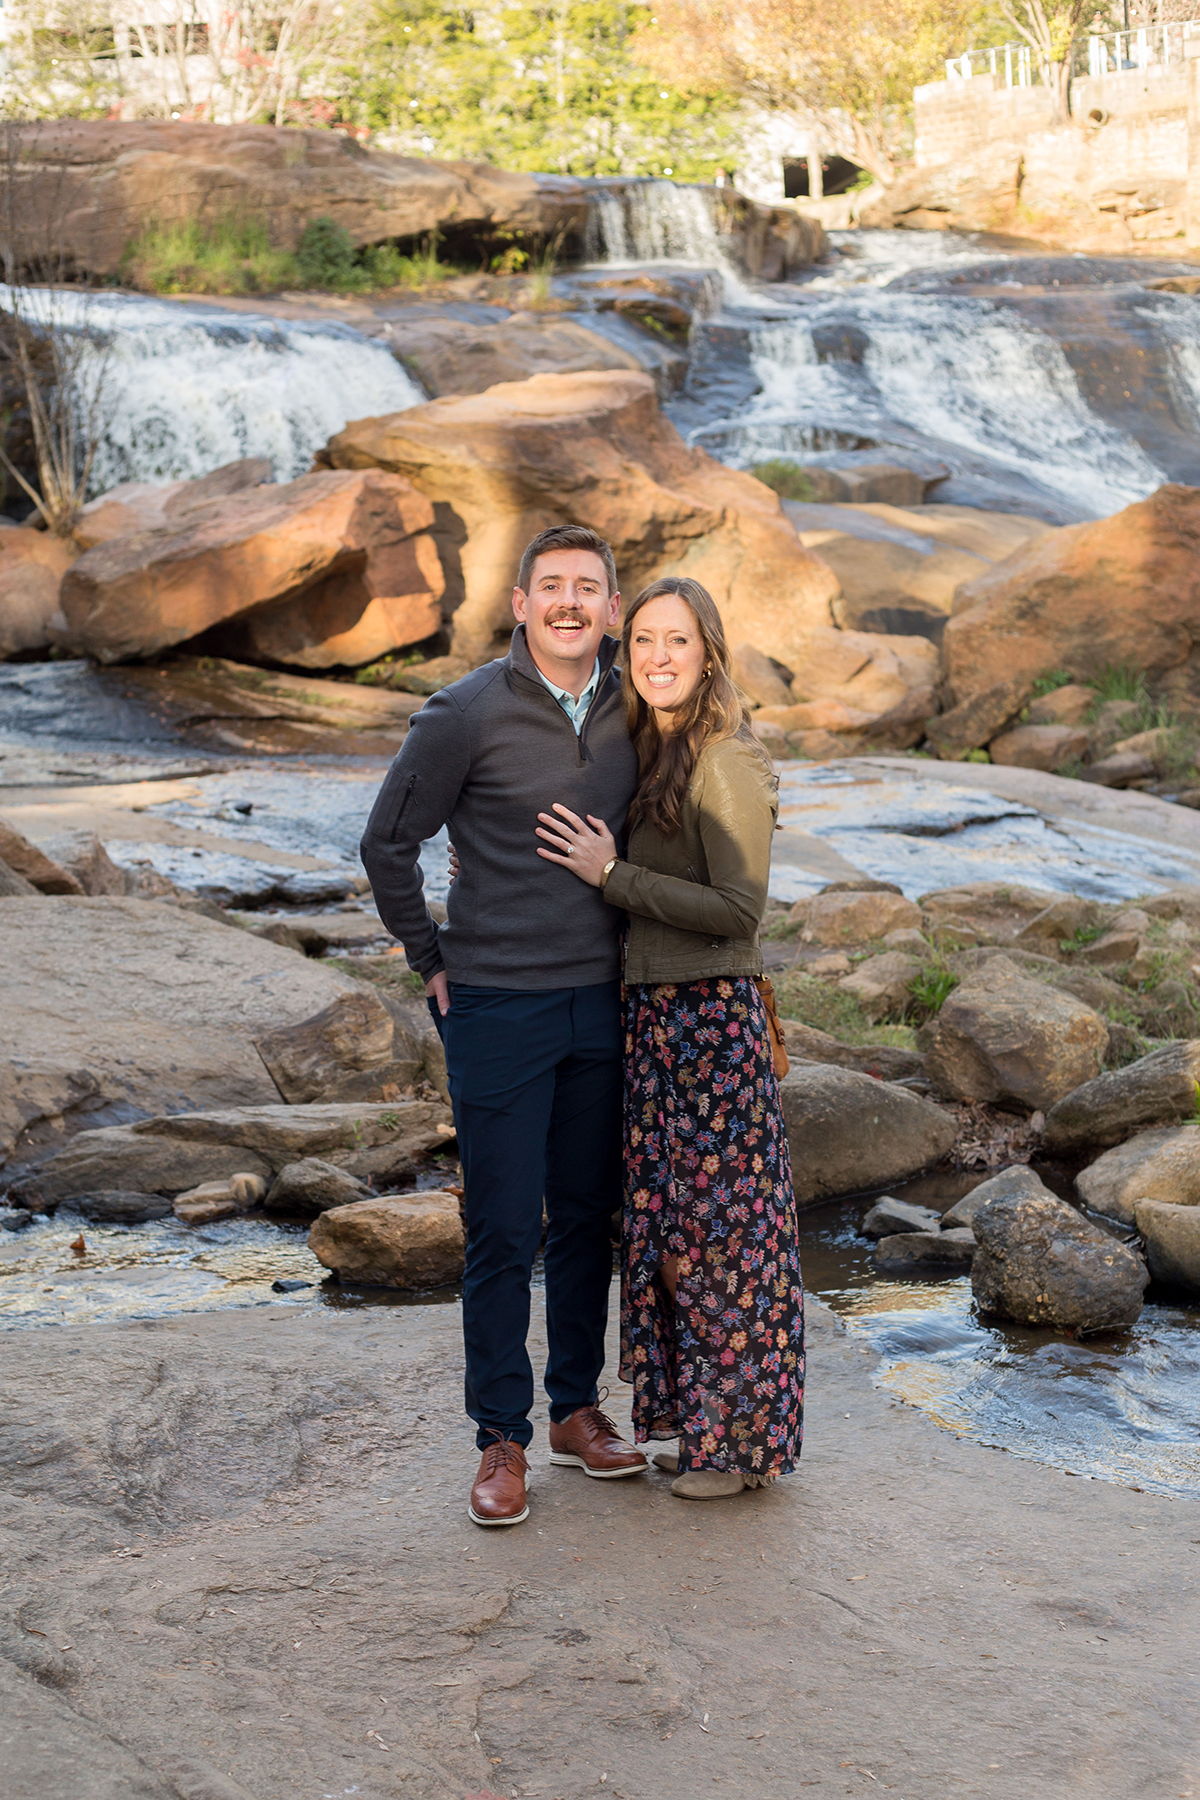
230	255
233	254
786	478
389	972
1049	681
929	990
1081	938
813	1002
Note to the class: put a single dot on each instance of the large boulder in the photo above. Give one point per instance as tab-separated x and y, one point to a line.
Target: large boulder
1154	1165
594	449
855	916
335	568
32	565
354	1049
169	1154
151	505
1042	1263
1171	1235
137	1007
110	177
313	1185
1159	1089
398	1240
996	910
1118	592
1005	1039
850	1133
1019	1179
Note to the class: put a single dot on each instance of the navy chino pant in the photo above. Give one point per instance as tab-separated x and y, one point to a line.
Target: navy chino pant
535	1081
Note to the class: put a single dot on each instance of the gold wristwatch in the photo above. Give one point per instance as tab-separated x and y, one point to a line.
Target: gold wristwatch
607	870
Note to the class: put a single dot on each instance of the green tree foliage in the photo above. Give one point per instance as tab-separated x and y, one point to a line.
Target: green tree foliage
552	84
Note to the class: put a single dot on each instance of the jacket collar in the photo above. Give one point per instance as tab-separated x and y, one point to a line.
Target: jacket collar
521	662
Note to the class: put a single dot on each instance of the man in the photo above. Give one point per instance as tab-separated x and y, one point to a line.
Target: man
523	983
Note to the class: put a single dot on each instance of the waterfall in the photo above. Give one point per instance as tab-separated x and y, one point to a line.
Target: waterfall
655	221
187	387
966	381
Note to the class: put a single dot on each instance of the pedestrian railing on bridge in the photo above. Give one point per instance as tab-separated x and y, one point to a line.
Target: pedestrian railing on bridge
1145	47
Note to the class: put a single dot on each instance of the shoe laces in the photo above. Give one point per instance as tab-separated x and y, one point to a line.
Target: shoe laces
503	1452
601	1418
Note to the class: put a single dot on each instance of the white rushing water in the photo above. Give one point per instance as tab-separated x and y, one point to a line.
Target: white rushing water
943	370
656	222
188	387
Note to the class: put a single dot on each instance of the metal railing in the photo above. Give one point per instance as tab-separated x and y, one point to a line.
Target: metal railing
1145	47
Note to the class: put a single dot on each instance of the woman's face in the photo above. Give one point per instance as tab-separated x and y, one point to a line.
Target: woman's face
666	655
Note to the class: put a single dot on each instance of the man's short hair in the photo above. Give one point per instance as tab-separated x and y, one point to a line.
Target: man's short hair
567	537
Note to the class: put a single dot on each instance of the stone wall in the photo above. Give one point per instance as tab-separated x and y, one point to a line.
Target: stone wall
990	155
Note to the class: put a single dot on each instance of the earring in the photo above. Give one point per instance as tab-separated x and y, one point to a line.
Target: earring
708	672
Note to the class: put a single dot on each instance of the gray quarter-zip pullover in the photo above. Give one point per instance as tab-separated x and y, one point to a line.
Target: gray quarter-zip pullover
484	757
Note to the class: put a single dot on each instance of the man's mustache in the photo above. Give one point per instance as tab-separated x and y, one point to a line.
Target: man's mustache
566	612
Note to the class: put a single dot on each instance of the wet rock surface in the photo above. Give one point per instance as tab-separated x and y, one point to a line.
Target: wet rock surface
264	1553
1041	1263
177	1151
917	1252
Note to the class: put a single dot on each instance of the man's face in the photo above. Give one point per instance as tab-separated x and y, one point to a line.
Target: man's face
565	614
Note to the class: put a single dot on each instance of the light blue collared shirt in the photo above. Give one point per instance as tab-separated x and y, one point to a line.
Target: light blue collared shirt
576	710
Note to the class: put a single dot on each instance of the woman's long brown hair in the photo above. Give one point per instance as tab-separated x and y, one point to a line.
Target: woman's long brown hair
716	710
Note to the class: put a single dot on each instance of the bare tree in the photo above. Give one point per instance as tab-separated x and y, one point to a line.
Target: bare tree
1049	27
57	356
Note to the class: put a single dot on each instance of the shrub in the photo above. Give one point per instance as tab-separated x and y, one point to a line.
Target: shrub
787	478
326	257
231	254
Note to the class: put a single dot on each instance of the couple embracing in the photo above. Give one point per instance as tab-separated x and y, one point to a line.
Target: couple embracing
608	804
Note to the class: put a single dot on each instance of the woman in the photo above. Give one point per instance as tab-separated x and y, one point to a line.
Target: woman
712	1322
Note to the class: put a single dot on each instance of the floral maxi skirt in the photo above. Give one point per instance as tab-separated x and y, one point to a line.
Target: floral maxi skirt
708	1180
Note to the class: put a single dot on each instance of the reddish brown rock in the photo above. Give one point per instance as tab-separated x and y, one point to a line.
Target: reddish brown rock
149	505
32	565
1120	592
594	449
117	175
330	569
398	1240
1045	747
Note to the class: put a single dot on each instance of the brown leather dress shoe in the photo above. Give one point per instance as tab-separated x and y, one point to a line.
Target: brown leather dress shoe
498	1496
588	1440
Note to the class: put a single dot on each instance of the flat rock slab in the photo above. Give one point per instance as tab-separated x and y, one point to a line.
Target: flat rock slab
252	1536
133	1005
171	1153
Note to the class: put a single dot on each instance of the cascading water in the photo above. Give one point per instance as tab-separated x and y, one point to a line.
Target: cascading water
657	221
939	375
186	387
851	364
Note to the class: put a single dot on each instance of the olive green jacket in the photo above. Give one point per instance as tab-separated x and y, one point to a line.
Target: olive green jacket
695	900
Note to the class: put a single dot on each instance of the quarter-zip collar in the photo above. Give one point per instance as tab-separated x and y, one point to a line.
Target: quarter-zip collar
520	664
